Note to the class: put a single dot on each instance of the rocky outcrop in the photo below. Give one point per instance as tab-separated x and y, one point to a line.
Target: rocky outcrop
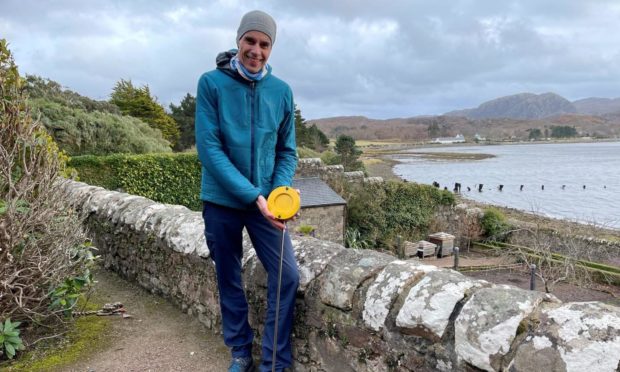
357	310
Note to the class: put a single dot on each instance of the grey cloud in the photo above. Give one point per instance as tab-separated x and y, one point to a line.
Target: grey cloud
395	59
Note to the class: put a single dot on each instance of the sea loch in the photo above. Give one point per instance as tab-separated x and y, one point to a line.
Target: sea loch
574	181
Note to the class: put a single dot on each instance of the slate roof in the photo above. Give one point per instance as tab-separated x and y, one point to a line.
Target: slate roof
316	193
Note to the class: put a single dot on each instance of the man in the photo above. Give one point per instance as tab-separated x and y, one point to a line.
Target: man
245	136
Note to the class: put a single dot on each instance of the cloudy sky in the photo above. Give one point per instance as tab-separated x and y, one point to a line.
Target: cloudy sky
380	59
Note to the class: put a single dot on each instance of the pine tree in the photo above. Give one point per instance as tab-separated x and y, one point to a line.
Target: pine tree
139	103
349	153
184	115
310	137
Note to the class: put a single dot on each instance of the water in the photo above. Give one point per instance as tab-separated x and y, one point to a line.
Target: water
595	165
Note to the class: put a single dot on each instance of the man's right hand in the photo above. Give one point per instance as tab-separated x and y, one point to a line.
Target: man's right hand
261	203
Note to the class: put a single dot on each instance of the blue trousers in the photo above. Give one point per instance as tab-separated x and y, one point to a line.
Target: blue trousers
223	230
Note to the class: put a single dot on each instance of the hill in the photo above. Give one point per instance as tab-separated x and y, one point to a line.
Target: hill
520	106
597	106
423	129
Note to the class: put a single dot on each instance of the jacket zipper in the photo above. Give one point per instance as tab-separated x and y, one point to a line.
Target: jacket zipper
252	85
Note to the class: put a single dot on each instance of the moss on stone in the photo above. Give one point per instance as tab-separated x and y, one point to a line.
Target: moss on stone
87	334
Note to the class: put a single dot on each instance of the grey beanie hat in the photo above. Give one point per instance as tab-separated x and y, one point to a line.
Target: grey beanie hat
257	20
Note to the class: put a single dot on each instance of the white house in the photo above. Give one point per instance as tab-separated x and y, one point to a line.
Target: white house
459	138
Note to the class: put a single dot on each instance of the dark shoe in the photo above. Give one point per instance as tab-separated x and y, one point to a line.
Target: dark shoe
241	365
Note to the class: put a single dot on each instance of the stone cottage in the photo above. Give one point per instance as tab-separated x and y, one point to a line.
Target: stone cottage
322	208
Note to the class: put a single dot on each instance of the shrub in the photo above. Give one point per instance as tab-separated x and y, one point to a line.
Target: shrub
304	152
165	178
494	224
329	157
41	242
353	239
305	229
383	210
80	125
10	341
79	132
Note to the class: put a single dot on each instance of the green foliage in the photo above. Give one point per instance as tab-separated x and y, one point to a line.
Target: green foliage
139	103
563	131
51	91
494	224
184	114
349	153
311	137
86	336
534	133
10	341
81	125
383	210
165	178
79	132
433	130
305	229
40	233
9	74
304	152
66	294
353	239
329	157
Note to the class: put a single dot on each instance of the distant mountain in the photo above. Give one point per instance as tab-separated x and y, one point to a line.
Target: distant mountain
597	106
520	106
422	129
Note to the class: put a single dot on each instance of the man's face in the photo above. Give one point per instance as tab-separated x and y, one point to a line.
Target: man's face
254	50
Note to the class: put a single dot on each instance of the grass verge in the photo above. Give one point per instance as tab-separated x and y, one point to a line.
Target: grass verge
86	335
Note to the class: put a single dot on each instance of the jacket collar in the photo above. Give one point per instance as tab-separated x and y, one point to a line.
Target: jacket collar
222	61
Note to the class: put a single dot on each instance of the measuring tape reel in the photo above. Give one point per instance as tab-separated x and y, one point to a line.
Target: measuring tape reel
284	202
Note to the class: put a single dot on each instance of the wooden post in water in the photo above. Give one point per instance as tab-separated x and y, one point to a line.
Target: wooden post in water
399	247
456	258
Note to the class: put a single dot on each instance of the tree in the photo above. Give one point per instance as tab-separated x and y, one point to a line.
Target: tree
534	134
311	137
349	153
542	247
184	114
433	130
316	139
563	131
139	103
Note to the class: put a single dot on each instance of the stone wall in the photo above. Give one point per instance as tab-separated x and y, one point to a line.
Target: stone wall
455	220
358	310
328	221
582	247
314	167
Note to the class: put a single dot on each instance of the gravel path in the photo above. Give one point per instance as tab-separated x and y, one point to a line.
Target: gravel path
159	337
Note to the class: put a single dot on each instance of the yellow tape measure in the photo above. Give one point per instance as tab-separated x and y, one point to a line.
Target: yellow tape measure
284	202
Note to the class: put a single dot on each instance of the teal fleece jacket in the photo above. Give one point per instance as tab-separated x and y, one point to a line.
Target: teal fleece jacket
245	135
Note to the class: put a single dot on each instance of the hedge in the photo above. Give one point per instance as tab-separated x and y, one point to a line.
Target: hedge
382	211
165	178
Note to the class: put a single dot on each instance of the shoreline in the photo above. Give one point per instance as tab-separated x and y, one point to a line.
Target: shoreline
382	165
397	144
